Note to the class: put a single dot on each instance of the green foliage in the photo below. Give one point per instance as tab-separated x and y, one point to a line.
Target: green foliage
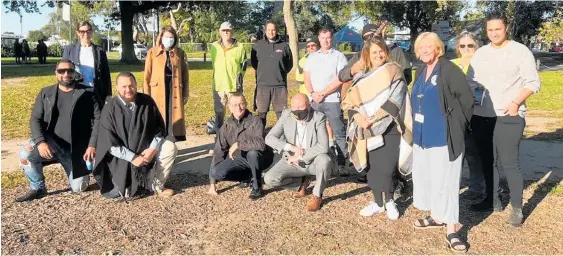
552	31
344	47
55	50
35	35
524	17
97	38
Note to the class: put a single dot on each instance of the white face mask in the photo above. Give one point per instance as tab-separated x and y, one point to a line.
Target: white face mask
167	42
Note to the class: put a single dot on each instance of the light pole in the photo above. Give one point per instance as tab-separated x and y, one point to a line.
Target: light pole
21	25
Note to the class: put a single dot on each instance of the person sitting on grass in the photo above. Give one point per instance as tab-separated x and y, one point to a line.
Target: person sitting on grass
240	153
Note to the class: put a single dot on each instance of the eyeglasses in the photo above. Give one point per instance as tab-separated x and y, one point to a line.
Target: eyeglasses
312	46
470	46
84	31
65	70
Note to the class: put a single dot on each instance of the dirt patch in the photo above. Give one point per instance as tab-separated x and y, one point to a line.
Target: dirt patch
536	124
14	82
191	222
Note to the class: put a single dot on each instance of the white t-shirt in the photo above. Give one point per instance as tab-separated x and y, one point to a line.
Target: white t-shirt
87	65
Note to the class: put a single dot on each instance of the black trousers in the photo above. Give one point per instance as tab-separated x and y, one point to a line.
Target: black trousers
382	165
500	137
246	166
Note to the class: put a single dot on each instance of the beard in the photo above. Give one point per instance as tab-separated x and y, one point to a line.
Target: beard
69	83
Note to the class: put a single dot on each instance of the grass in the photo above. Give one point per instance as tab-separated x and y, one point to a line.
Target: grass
13	179
20	87
111	56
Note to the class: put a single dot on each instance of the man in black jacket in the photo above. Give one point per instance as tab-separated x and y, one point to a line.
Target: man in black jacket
131	150
272	60
240	152
64	129
91	62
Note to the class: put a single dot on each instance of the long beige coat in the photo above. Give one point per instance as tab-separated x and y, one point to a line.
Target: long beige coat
154	83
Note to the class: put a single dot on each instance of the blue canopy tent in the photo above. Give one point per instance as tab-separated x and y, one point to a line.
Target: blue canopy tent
347	35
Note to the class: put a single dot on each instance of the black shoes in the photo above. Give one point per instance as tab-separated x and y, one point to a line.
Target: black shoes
487	205
32	195
256	193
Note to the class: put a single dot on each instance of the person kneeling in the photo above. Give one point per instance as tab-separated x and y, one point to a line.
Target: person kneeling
302	136
131	150
240	153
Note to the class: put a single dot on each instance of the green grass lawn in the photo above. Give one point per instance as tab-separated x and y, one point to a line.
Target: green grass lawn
20	87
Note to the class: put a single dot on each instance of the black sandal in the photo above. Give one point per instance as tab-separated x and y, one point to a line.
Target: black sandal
452	246
431	224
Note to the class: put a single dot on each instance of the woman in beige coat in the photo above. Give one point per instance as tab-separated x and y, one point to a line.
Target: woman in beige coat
166	81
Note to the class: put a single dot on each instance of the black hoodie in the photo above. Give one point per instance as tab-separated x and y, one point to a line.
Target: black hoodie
272	62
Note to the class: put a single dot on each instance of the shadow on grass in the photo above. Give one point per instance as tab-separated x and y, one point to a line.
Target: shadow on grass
22	71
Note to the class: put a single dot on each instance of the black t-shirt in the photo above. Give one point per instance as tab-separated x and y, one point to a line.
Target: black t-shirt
64	108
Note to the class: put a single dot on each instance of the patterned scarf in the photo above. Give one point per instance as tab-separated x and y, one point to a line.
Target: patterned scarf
366	96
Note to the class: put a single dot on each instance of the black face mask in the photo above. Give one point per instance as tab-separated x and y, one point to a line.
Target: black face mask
300	114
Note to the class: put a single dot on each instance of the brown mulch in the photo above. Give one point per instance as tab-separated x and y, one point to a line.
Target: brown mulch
192	222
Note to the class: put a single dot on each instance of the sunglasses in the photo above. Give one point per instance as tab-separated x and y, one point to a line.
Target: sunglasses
84	31
470	46
312	46
65	70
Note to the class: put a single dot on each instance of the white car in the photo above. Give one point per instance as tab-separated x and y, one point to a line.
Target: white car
140	51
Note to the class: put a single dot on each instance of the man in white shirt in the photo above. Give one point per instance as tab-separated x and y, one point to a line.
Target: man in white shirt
323	85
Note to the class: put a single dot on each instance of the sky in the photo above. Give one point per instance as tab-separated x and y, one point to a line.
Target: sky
35	21
31	21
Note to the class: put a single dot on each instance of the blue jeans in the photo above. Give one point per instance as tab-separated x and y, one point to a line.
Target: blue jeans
33	169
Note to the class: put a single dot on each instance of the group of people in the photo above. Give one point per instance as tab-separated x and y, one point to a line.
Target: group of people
22	52
472	107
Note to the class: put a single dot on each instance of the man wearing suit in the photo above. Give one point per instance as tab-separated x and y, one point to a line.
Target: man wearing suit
91	62
302	137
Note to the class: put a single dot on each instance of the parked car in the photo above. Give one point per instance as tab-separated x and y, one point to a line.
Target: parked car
140	51
404	44
556	47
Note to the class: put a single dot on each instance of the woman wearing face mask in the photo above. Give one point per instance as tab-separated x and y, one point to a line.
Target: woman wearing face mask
380	136
166	81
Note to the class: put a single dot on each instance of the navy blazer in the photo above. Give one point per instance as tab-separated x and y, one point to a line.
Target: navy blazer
102	76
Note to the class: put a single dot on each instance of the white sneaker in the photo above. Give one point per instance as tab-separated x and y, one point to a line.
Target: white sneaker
392	211
371	209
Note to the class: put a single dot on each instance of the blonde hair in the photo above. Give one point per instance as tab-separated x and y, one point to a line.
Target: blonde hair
365	57
435	39
463	35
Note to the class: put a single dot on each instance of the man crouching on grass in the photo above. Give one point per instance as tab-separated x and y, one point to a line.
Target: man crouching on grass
240	152
64	129
131	150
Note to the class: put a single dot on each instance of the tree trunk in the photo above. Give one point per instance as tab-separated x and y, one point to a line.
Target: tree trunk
173	21
291	31
414	34
127	50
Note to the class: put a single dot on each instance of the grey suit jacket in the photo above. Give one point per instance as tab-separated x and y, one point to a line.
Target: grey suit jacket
285	131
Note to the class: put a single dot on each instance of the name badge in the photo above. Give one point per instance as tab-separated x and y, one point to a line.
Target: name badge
419	118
